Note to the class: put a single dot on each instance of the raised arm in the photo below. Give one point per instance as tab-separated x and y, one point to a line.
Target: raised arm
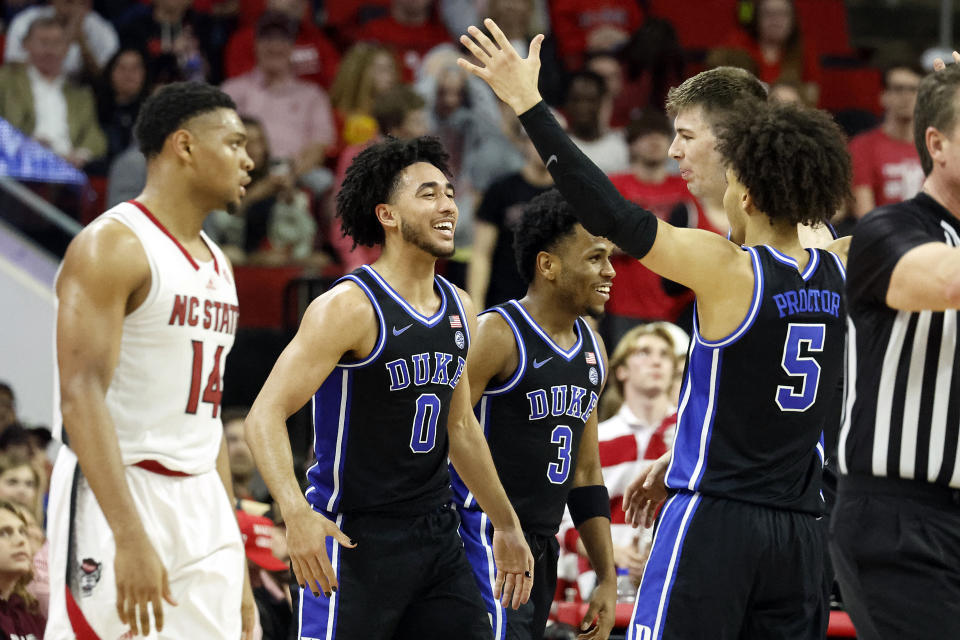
340	321
105	276
470	456
697	259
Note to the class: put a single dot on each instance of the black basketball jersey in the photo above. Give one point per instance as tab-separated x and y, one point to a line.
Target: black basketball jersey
752	405
533	422
380	424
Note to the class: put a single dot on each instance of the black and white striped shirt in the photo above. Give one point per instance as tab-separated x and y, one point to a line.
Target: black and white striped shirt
902	409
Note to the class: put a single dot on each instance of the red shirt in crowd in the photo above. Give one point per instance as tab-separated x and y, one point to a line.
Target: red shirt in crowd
891	168
17	622
573	20
314	56
410	43
638	292
769	72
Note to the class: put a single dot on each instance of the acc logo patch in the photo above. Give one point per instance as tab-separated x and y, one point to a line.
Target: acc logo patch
593	375
89	576
459	339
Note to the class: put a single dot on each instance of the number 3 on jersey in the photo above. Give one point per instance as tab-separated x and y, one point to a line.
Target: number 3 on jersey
804	367
557	472
213	393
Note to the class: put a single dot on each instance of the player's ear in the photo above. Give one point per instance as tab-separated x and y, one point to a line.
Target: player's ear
386	216
936	143
183	143
547	265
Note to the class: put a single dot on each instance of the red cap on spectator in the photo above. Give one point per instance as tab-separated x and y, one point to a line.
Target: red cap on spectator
257	533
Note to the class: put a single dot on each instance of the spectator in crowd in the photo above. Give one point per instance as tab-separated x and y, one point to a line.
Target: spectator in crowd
582	107
584	26
886	167
247	484
37	98
295	114
123	87
410	30
269	574
172	29
20	616
20	483
273	225
654	62
92	39
314	56
639	295
399	113
772	38
367	72
516	18
640	430
8	406
614	112
492	275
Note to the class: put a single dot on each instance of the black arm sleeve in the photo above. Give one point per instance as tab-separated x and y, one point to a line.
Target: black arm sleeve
596	202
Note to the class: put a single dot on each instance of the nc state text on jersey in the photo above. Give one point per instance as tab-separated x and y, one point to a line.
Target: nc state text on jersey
218	316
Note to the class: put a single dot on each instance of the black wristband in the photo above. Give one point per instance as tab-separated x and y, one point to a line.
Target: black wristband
599	207
588	502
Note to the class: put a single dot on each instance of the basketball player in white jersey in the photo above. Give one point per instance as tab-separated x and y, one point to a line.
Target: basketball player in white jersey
147	311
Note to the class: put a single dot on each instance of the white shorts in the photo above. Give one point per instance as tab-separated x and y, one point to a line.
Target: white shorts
192	527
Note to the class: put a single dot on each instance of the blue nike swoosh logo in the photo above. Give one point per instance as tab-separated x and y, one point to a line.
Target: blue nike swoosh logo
397	332
537	365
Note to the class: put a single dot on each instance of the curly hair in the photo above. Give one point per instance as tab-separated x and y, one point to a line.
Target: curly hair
372	178
792	159
170	107
545	221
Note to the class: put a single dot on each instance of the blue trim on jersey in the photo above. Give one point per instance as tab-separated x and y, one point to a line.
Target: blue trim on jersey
660	573
836	258
521	351
476	531
751	314
820	453
596	349
566	355
833	231
457	301
317	617
416	315
382	339
787	260
331	427
695	418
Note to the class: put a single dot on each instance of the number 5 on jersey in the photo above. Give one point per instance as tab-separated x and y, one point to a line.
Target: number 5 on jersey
213	392
804	367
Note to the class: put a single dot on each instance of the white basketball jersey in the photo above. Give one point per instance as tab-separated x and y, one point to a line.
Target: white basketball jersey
165	393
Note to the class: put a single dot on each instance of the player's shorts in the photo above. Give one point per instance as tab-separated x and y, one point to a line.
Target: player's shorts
406	578
529	621
722	569
193	529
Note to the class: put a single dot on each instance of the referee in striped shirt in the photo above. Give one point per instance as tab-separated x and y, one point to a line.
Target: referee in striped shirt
895	535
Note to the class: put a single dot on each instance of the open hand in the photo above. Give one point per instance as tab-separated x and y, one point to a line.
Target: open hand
514	567
646	493
141	585
307	533
512	78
